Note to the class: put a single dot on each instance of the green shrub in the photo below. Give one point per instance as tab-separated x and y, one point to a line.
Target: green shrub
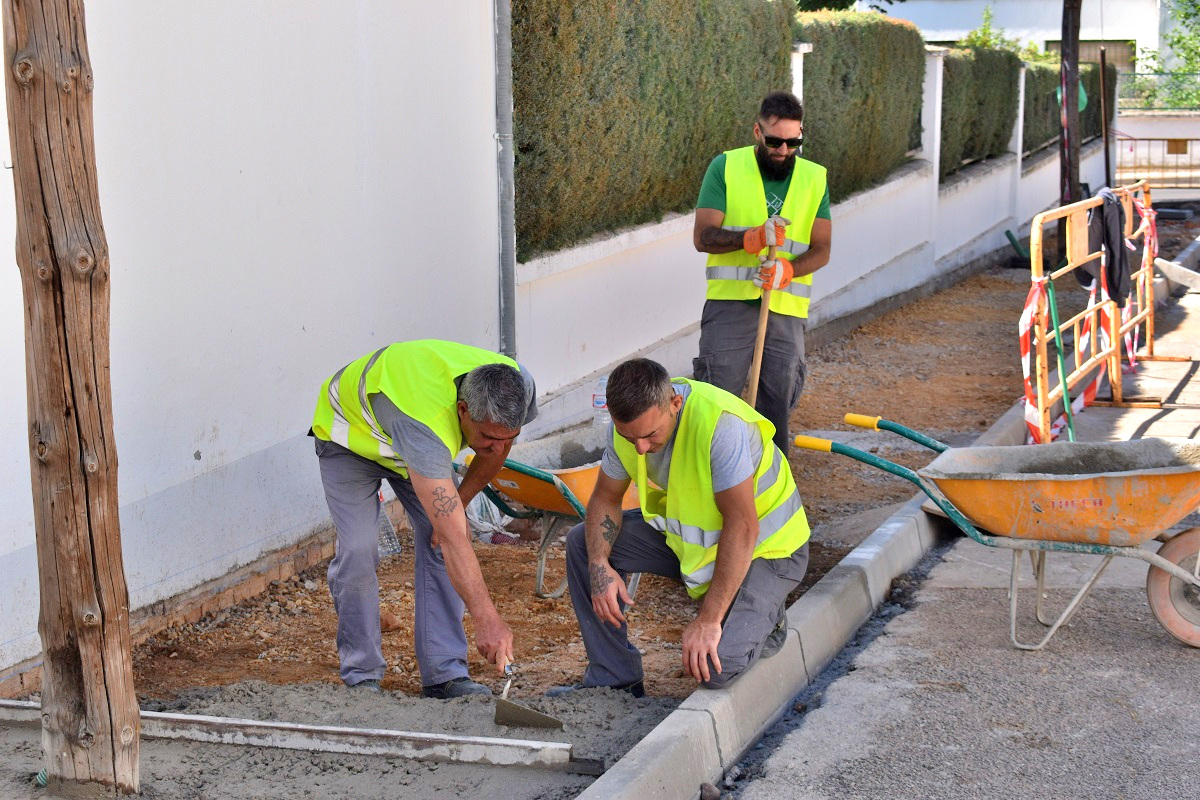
1042	116
862	95
979	105
619	106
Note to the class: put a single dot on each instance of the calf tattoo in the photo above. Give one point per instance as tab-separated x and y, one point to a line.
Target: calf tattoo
444	503
600	578
611	530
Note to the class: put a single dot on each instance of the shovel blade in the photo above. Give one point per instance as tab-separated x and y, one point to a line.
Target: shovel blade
510	713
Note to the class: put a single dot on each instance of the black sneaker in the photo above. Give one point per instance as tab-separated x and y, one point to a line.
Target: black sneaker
369	685
456	687
636	689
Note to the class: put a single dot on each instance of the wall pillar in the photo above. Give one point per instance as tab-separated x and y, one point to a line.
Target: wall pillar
931	130
798	68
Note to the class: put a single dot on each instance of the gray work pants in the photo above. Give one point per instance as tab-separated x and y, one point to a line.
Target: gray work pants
728	329
352	491
755	611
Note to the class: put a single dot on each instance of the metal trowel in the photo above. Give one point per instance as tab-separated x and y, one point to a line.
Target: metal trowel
510	713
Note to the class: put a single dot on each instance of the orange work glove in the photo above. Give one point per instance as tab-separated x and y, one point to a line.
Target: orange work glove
774	274
769	233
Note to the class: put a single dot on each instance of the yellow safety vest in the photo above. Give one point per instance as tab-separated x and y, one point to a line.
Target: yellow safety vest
730	275
418	377
687	514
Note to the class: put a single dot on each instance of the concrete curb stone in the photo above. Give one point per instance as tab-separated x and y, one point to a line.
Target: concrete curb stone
713	729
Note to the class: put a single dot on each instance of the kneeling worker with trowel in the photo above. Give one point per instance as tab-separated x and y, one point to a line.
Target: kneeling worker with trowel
719	510
400	414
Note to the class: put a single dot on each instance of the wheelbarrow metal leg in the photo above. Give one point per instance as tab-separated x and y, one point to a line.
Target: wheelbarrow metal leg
551	525
1067	613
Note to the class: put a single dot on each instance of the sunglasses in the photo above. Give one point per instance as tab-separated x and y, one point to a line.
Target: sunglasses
775	141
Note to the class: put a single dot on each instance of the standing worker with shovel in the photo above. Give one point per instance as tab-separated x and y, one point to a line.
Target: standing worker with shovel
763	217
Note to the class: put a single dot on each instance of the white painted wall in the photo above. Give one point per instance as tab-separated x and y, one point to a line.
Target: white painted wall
1033	20
285	186
1159	124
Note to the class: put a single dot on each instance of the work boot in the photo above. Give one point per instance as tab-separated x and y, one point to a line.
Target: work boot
455	687
636	689
777	638
369	685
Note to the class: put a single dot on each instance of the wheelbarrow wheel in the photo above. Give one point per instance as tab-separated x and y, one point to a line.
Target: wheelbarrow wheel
1176	604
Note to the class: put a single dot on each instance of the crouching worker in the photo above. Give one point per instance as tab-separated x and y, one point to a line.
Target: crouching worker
719	510
400	414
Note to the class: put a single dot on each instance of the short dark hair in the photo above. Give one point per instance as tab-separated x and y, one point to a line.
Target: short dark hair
635	387
783	105
495	394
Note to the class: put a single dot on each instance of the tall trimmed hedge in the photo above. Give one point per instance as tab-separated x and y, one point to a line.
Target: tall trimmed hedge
620	106
862	94
979	105
1042	123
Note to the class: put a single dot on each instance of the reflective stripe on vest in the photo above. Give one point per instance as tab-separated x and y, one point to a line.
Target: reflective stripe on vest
339	432
745	208
794	288
768	526
418	377
687	514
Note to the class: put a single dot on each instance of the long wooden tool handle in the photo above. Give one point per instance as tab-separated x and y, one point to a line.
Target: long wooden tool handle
763	312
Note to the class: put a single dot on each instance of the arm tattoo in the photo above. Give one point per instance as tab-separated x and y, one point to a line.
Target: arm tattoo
444	503
600	578
611	530
713	236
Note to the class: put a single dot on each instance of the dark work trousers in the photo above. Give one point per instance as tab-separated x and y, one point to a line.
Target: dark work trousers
351	485
755	611
727	332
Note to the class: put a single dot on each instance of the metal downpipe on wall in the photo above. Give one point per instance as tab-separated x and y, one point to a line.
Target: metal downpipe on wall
505	167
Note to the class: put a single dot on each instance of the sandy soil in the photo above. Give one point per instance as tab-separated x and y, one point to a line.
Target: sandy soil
946	366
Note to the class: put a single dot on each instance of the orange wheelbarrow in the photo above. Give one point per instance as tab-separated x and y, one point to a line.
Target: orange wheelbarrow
1104	499
552	480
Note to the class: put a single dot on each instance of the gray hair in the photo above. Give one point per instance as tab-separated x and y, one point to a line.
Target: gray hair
635	387
495	394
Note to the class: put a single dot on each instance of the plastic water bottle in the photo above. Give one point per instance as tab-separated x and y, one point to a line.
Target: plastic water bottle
389	542
600	417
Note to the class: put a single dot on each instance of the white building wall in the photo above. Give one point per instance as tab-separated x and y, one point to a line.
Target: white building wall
285	186
1033	20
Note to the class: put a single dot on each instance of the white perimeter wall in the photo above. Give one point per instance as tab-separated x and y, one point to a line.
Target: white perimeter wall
285	186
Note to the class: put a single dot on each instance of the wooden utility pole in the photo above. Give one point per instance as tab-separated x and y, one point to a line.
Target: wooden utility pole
1068	140
90	718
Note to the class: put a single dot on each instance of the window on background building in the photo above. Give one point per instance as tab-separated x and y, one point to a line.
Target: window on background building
1121	54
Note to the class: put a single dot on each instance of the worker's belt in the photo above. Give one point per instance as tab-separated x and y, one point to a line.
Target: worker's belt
795	288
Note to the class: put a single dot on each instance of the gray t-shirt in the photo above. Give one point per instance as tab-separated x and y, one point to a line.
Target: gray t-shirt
415	442
736	451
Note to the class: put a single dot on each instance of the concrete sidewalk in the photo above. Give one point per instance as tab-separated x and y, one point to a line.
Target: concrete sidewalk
937	702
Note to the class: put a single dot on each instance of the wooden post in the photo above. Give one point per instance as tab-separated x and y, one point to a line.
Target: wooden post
1068	140
90	721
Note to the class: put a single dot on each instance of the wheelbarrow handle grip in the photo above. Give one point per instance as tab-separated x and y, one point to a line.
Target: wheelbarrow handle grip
862	421
812	443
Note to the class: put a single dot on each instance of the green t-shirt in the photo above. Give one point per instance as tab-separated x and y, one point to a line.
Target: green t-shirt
712	191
